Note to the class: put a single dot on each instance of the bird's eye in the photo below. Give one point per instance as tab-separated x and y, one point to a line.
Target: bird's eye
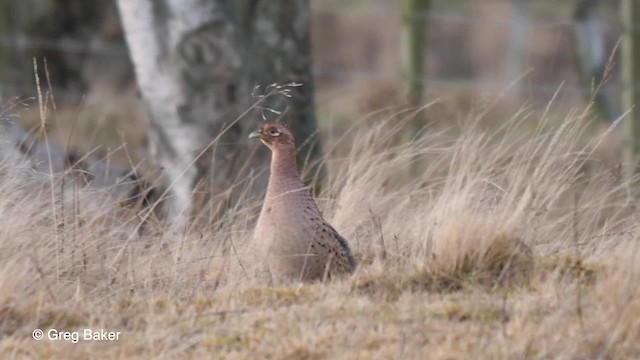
274	132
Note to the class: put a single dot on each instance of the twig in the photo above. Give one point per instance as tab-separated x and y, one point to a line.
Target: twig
578	262
378	225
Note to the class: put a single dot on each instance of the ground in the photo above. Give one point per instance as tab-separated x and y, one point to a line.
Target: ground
473	242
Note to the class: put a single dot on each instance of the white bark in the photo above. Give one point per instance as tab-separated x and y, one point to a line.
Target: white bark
197	62
159	83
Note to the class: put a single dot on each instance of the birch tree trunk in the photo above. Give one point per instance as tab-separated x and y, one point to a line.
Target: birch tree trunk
197	63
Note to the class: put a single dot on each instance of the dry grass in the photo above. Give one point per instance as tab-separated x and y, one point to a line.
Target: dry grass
472	244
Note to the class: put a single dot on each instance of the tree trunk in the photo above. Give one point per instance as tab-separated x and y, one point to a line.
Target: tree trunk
414	44
630	12
197	64
518	39
591	58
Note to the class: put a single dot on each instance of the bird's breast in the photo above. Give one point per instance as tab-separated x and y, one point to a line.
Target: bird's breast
287	223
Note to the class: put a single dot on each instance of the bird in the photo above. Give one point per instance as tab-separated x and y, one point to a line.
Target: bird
291	235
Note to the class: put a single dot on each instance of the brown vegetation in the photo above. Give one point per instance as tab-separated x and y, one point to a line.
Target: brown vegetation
472	243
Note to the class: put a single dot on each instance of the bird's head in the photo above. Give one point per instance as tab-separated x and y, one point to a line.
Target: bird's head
275	134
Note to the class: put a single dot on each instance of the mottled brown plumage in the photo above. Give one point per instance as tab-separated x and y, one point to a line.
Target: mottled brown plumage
291	235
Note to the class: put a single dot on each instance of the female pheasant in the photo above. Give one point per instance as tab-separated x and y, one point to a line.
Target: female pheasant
291	235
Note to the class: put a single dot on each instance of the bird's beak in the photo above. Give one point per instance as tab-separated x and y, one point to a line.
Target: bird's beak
255	134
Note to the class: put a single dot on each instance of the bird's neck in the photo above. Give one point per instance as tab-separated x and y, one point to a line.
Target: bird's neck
284	175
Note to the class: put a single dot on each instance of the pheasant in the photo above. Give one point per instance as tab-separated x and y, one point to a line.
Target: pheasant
291	235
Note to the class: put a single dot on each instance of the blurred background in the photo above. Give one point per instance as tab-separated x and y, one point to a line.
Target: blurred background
367	55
